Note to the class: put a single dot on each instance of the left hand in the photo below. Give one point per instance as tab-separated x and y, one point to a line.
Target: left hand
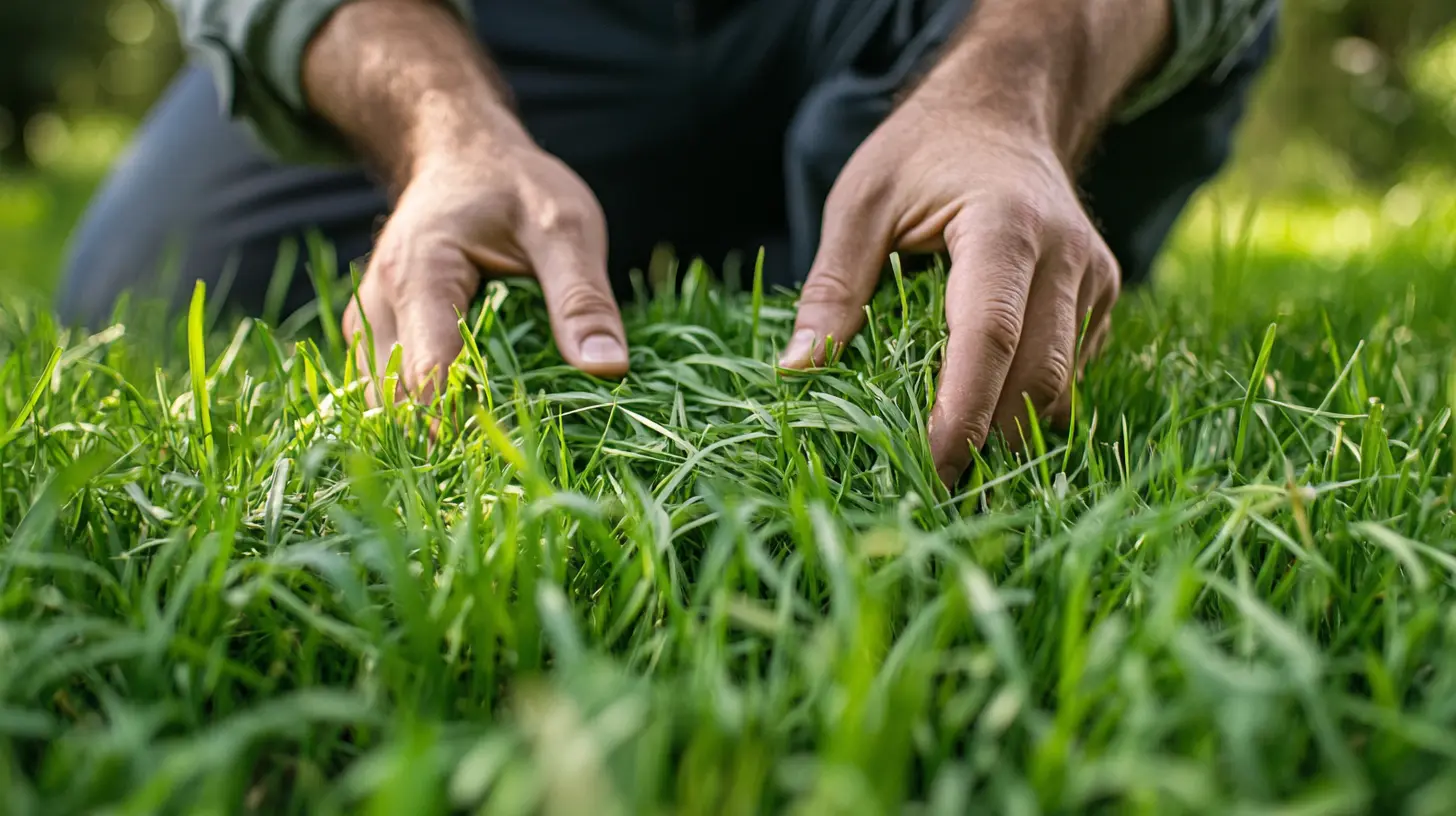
1026	266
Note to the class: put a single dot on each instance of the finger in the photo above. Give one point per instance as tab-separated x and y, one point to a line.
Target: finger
370	317
844	274
1096	341
1041	372
1060	414
432	292
1100	288
570	260
991	271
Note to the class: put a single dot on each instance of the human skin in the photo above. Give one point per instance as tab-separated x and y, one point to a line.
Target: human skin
409	87
979	161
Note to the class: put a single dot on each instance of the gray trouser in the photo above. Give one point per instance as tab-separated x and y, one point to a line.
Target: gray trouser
713	135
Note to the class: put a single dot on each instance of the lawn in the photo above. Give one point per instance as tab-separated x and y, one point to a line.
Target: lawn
226	585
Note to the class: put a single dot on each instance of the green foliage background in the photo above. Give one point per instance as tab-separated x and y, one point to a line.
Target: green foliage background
1363	94
62	60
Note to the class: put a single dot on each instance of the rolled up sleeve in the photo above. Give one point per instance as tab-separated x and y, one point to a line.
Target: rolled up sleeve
255	49
1208	38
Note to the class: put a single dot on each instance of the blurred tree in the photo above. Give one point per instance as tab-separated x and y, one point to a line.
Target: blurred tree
1344	85
36	41
71	57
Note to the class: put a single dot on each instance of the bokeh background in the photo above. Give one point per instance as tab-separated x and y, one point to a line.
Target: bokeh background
1355	124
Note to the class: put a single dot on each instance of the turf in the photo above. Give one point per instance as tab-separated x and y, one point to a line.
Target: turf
229	586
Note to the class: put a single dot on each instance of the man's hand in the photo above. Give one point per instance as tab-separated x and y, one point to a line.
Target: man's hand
979	162
406	84
509	210
1026	268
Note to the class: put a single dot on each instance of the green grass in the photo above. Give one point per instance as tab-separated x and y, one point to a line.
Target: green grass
228	586
37	212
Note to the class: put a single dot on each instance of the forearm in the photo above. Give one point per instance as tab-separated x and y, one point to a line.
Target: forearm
1052	69
403	81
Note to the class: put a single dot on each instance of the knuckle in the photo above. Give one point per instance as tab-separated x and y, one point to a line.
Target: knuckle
1017	250
1078	242
435	301
572	216
435	273
1000	327
827	284
384	266
1050	379
425	370
975	425
1023	217
582	300
563	220
455	284
391	276
1012	242
388	259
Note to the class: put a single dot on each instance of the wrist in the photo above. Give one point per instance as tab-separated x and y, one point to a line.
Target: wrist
405	82
1009	112
1050	71
445	130
1009	88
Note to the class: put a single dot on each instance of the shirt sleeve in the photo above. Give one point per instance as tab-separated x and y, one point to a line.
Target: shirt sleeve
254	49
1208	38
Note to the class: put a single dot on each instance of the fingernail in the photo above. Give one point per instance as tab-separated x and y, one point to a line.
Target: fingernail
948	475
800	350
602	349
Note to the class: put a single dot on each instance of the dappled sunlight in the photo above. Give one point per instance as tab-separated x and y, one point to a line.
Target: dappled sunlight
1328	233
85	146
1434	73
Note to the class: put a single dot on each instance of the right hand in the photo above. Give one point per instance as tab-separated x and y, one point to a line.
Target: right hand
508	209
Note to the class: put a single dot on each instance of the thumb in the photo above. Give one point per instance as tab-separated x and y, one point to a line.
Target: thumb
427	320
845	272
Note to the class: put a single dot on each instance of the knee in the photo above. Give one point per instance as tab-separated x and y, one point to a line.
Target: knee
115	248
